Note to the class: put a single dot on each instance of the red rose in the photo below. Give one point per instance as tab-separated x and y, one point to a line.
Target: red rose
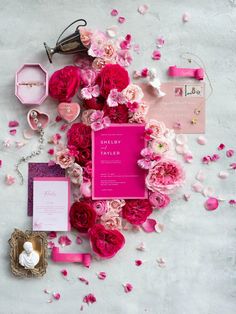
83	156
79	135
64	83
94	103
118	114
137	211
105	243
112	76
82	216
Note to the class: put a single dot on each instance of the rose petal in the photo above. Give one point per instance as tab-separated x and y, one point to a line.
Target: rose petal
181	139
64	241
197	187
102	275
161	262
56	295
221	146
52	235
232	202
181	149
90	298
13	124
28	133
64	272
51	244
186	17
121	19
142	9
211	204
138	262
51	151
82	279
208	191
186	197
188	157
149	225
141	247
112	31
114	12
223	175
160	41
201	140
230	153
79	240
200	176
233	166
128	287
12	132
156	55
10	179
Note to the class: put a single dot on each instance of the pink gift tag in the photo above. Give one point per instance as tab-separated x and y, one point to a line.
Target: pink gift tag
181	109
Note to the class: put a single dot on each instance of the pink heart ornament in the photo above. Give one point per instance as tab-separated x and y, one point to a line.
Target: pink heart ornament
42	117
68	111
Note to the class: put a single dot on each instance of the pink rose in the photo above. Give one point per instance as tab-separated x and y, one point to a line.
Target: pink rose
159	200
75	173
64	158
105	243
115	205
111	221
86	116
165	176
64	83
160	146
158	128
85	36
100	207
85	188
109	51
133	93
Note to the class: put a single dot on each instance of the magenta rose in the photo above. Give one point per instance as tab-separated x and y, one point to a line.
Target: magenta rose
159	200
79	136
82	216
64	83
136	211
105	243
118	114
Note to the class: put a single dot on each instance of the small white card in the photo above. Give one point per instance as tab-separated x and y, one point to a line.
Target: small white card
51	204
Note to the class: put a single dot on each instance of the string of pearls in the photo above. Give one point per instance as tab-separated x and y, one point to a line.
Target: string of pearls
34	153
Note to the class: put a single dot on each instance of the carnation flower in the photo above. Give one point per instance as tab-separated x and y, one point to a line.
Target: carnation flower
105	243
94	103
86	116
64	159
75	172
165	176
117	114
137	211
82	216
112	76
124	58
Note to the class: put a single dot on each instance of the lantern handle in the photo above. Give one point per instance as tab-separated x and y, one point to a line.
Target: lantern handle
82	20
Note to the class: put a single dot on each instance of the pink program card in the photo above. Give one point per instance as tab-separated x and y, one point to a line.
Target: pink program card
116	151
183	102
51	204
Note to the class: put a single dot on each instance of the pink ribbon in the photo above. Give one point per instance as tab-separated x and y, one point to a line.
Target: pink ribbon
198	74
84	258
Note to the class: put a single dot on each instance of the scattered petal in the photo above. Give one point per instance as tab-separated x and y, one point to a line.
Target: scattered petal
90	298
159	228
51	151
149	225
186	17
138	262
64	127
82	279
54	139
197	187
51	245
6	143
208	191
56	295
128	287
181	139
215	157
64	241
58	119
12	132
233	166
136	48
20	144
13	124
200	176
232	202
223	175
230	153
156	55
114	12
221	146
181	149
28	134
160	41
161	262
52	235
112	31
142	9
121	19
201	140
211	204
188	157
186	197
10	179
64	272
46	291
141	247
145	72
102	275
79	240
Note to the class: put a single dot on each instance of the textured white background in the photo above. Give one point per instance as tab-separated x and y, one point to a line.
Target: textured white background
198	246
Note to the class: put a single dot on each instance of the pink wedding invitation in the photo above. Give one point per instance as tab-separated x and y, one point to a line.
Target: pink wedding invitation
51	204
116	173
181	109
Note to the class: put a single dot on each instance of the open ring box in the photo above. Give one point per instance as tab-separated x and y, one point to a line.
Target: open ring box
31	84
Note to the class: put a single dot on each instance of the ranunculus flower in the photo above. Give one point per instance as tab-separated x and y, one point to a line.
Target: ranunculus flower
117	114
165	176
159	200
79	135
112	76
137	211
105	243
82	216
64	159
64	83
75	173
133	93
100	207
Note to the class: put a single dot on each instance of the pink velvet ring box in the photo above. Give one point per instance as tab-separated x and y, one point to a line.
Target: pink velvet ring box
31	84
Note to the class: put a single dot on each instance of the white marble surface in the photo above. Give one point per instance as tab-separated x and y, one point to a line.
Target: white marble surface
198	246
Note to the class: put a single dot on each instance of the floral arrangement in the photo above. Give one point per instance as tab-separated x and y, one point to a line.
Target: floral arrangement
107	95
